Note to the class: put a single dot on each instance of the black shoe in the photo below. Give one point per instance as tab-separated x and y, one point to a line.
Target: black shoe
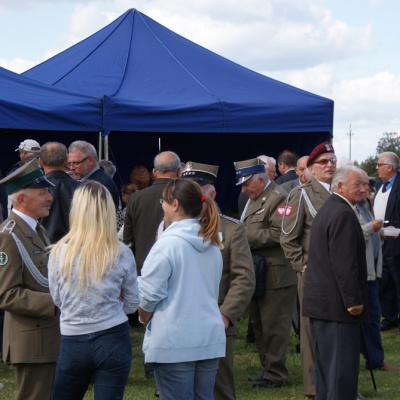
157	393
266	383
388	327
256	378
360	397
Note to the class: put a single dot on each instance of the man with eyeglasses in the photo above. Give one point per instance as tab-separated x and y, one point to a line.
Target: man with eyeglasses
302	205
387	208
83	162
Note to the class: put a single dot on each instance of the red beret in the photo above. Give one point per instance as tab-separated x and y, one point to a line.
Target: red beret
322	148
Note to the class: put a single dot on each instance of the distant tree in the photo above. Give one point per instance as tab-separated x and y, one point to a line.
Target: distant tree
390	141
369	166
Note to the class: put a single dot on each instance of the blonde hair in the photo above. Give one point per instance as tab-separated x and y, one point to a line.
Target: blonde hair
92	243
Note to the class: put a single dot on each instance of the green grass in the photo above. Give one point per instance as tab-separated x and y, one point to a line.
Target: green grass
247	364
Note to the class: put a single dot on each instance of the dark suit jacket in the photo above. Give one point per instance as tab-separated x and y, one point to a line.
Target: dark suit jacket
289	176
143	216
391	248
57	223
336	276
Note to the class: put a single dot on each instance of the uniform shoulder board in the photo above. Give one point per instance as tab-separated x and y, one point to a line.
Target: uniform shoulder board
236	221
8	227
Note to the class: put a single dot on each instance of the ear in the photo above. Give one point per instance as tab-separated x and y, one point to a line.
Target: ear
154	173
213	195
41	162
175	205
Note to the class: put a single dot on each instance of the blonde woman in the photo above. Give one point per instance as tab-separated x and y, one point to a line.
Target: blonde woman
93	280
178	288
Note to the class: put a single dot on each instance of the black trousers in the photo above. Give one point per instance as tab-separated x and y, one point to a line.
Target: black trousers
336	348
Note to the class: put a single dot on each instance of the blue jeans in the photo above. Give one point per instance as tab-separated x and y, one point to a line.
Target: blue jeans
371	329
193	380
104	357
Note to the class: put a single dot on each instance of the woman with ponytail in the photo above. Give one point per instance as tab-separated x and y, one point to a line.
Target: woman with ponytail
178	290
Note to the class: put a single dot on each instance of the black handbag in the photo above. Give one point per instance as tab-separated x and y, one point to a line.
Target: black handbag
259	272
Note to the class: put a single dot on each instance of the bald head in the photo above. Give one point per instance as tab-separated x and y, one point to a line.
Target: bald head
167	165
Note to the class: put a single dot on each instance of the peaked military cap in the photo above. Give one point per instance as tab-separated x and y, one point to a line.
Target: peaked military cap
247	168
30	175
203	174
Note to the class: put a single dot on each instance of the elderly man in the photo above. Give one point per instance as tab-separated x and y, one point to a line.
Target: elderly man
387	208
272	308
31	327
301	172
371	227
287	161
237	281
302	205
270	170
335	290
144	215
53	159
83	162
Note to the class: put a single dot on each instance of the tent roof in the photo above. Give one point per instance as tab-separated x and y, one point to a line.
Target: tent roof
152	79
27	104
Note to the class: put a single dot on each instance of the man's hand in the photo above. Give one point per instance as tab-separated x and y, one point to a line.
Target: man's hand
226	321
377	224
355	310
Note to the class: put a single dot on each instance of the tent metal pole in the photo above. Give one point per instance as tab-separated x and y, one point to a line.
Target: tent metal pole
100	146
106	147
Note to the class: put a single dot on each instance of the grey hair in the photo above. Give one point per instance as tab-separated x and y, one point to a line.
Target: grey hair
391	158
267	160
262	175
108	166
85	147
209	188
342	175
173	165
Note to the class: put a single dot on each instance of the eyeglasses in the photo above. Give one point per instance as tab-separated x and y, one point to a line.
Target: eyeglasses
325	161
380	164
75	163
162	201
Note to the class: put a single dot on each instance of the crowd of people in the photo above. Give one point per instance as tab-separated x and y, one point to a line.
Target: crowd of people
81	262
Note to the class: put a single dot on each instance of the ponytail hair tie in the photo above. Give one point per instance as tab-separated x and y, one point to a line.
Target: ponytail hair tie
203	199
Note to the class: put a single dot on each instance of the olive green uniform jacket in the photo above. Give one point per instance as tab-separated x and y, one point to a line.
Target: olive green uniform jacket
31	325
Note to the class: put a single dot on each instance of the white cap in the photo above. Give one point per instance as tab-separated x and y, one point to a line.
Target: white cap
29	145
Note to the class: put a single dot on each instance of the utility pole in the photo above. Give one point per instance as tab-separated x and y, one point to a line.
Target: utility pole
350	135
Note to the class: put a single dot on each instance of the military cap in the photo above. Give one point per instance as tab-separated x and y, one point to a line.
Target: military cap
29	175
322	148
29	145
203	174
247	168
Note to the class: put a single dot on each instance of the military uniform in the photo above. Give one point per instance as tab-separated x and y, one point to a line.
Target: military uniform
235	291
31	326
271	313
295	241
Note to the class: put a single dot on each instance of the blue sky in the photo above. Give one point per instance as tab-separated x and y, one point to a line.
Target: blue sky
343	50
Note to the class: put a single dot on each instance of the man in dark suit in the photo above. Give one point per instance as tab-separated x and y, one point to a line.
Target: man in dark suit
144	215
271	311
53	159
31	326
387	208
287	161
83	162
335	289
237	281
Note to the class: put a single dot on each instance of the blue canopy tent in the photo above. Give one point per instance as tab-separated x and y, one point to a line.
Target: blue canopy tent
171	93
28	104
